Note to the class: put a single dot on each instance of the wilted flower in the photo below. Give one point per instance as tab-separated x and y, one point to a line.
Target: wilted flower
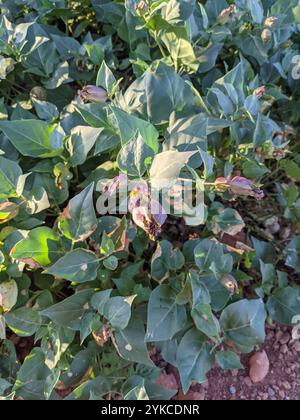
260	92
227	14
239	186
142	7
266	36
92	93
147	213
270	21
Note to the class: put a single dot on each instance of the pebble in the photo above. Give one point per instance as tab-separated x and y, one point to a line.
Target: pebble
285	338
282	394
248	381
284	349
286	386
271	392
297	346
232	390
279	335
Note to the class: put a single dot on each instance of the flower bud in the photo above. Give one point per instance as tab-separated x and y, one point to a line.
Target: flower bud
270	21
93	94
266	36
245	187
260	92
226	15
142	7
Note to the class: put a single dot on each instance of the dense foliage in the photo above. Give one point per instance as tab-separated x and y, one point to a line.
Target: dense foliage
93	93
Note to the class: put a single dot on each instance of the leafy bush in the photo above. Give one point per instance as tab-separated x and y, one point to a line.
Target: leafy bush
97	94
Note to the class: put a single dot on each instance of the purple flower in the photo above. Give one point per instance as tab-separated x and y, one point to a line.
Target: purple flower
150	218
92	93
239	186
147	213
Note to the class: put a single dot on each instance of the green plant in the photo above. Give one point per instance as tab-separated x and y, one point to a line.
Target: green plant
94	94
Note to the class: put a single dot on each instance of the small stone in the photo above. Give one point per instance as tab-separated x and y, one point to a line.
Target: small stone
271	392
234	373
259	366
248	381
279	335
286	386
232	390
285	338
282	394
284	349
265	397
297	346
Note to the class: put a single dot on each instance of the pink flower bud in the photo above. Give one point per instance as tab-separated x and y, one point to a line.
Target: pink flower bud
92	93
260	92
266	36
142	7
227	14
270	21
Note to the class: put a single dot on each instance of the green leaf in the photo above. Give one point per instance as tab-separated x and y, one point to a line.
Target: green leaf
111	263
200	292
71	309
12	179
164	260
158	93
32	371
79	221
177	11
130	343
24	322
34	138
210	256
165	316
133	157
180	49
194	358
205	321
99	300
78	266
129	125
284	305
228	360
41	247
81	142
243	323
166	167
106	79
117	311
291	168
8	295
